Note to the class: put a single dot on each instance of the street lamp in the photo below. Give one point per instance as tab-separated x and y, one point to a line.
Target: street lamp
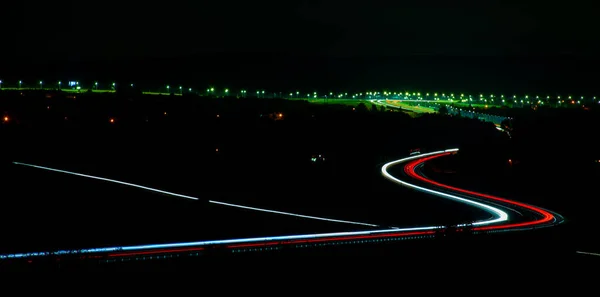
0	84
132	85
41	84
114	85
96	85
59	84
181	90
20	83
168	88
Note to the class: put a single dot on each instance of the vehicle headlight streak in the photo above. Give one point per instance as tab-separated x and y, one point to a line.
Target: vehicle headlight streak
498	216
195	198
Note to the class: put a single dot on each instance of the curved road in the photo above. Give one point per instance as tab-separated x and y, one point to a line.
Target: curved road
505	215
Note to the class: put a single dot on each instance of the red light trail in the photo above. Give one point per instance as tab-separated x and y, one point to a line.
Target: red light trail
409	169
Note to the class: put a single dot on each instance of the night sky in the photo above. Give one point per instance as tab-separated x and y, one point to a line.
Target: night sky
302	35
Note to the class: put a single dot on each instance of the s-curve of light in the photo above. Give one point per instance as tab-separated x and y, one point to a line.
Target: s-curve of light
195	198
393	232
498	214
546	215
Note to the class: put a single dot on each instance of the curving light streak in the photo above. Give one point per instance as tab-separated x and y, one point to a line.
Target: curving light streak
546	215
499	215
195	198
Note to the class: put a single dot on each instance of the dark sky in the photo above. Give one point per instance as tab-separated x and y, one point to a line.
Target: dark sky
46	29
310	44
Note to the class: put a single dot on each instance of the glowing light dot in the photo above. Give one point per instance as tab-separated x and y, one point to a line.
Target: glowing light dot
5	119
112	121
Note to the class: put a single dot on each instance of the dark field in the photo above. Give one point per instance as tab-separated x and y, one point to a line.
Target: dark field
238	151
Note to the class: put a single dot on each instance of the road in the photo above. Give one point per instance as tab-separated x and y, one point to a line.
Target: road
504	215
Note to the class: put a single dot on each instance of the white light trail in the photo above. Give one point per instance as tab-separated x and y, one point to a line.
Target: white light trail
108	180
292	214
500	216
588	253
195	198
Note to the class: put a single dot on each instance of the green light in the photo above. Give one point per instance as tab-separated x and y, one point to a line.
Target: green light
212	89
226	90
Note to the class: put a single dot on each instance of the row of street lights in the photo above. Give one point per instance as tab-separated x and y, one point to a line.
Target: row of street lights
259	93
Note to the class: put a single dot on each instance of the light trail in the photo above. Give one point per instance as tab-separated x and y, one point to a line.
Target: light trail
546	215
498	216
588	253
108	180
291	214
195	198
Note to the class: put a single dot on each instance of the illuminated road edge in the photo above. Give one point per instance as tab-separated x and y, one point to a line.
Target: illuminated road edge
258	243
